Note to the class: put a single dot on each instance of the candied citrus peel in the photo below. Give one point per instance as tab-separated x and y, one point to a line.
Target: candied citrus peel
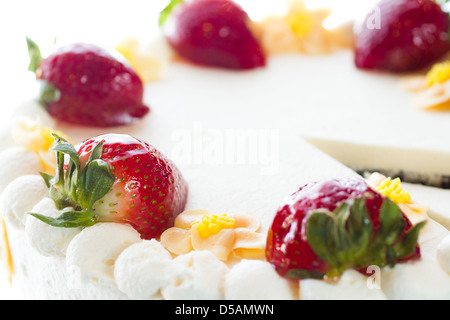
225	235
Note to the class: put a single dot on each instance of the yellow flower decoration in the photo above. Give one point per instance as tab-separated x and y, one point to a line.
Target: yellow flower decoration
144	64
225	235
301	21
439	73
431	91
302	30
392	189
211	225
35	137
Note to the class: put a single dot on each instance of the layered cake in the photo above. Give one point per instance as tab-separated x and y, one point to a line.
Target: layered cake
265	160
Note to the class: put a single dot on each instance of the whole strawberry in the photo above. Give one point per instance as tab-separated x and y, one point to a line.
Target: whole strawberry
410	35
85	85
327	227
213	33
116	178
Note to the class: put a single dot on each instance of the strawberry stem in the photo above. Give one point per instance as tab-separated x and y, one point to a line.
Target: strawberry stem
76	188
346	238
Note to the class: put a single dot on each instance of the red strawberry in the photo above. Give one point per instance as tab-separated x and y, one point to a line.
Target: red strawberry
327	227
212	32
116	178
85	85
412	34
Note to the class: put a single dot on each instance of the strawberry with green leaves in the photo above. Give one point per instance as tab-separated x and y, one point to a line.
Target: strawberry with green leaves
86	85
328	227
215	33
115	178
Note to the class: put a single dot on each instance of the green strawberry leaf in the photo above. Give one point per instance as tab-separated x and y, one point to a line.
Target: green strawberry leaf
68	219
66	148
95	182
76	187
48	93
345	239
304	274
408	244
322	238
360	229
165	13
96	152
61	200
35	55
392	223
47	178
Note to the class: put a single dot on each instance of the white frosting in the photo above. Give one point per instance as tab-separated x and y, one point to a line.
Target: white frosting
429	239
256	280
6	140
143	269
41	277
443	254
19	197
200	276
435	198
46	239
16	162
421	280
92	253
351	286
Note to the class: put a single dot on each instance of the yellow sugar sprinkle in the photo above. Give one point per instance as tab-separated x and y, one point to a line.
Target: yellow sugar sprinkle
439	73
211	225
393	190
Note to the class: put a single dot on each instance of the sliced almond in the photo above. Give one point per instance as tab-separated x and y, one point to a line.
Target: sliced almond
220	244
187	218
177	241
246	220
247	239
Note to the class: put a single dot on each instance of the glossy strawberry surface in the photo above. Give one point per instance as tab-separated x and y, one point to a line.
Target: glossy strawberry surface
402	36
148	192
288	247
83	84
115	178
214	33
